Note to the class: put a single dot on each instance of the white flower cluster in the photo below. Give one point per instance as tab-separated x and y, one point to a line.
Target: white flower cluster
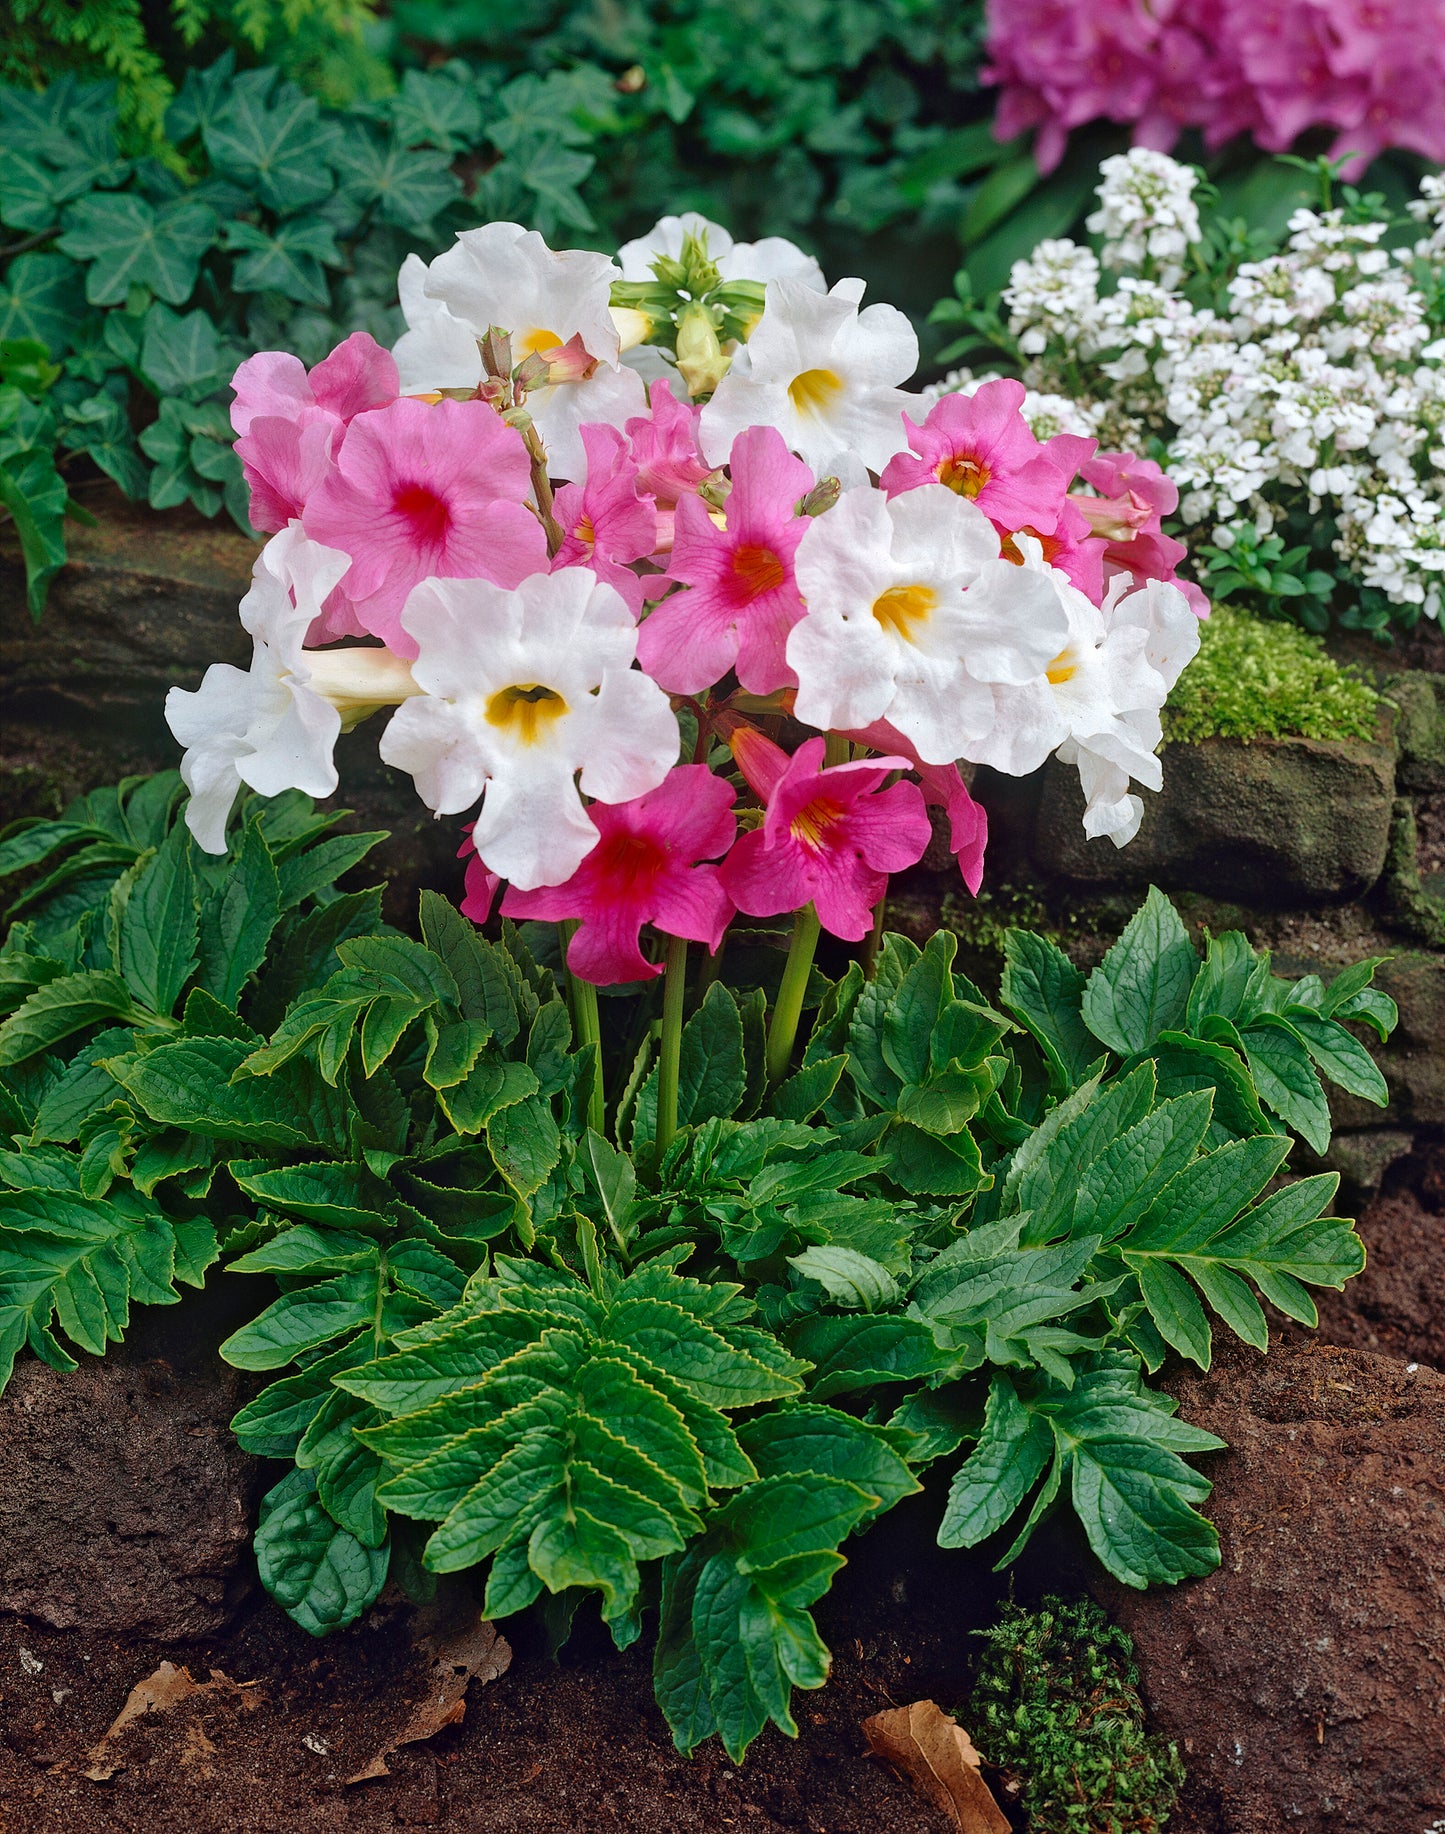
1321	387
1147	214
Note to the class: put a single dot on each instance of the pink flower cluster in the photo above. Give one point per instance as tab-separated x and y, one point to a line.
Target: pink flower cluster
751	596
1373	70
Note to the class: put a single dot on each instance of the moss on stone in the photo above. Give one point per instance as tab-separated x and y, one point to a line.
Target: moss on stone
1256	679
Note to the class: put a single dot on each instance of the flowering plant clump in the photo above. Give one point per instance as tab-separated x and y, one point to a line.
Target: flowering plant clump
1295	402
627	546
1375	73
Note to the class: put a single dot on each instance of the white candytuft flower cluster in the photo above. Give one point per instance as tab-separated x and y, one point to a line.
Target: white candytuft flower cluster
1147	214
1318	388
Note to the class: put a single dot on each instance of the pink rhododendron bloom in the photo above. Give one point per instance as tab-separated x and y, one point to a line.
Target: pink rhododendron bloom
980	446
943	788
1372	69
426	491
647	867
290	421
607	524
740	597
830	837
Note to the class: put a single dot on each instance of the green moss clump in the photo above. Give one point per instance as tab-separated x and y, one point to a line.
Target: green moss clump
1057	1705
1255	679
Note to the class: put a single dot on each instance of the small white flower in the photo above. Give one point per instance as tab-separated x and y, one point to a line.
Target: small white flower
772	258
267	727
507	276
911	614
822	372
522	691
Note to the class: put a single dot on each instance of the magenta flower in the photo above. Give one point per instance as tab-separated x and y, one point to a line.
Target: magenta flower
980	446
647	867
944	788
290	421
480	884
1071	545
607	523
426	491
1134	497
664	445
740	597
829	838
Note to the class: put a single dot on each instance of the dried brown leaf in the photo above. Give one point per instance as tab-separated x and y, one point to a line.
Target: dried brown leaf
474	1653
160	1693
937	1758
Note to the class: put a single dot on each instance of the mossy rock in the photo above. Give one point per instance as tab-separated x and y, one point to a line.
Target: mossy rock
146	601
1419	700
1266	822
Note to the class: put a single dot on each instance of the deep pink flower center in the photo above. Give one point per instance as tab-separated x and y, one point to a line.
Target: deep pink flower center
813	824
428	517
757	570
964	473
629	863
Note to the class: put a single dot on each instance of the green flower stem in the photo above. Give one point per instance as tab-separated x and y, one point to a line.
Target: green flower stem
783	1029
874	937
670	1055
589	1031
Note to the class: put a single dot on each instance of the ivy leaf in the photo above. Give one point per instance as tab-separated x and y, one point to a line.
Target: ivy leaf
128	243
180	356
433	108
288	260
322	1576
407	187
41	298
1141	987
281	148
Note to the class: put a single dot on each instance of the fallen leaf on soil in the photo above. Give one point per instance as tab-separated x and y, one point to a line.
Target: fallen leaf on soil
937	1757
474	1653
159	1693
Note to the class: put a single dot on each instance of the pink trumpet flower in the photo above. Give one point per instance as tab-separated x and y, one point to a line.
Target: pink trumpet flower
740	597
426	491
980	446
290	420
830	837
943	788
607	523
480	885
649	866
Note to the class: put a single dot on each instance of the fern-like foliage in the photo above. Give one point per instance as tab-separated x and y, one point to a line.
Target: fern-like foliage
43	40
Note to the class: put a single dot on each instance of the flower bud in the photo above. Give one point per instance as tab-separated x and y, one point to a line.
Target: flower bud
701	360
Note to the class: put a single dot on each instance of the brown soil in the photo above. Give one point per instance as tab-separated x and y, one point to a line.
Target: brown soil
1397	1305
1305	1680
577	1745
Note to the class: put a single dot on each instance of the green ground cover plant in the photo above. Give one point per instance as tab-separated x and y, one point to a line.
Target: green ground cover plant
516	1328
1255	678
144	282
1056	1705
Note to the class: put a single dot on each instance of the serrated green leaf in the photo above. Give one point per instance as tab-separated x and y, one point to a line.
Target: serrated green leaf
992	1482
1044	989
159	930
1286	1079
318	1573
848	1278
61	1008
860	1351
1142	986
